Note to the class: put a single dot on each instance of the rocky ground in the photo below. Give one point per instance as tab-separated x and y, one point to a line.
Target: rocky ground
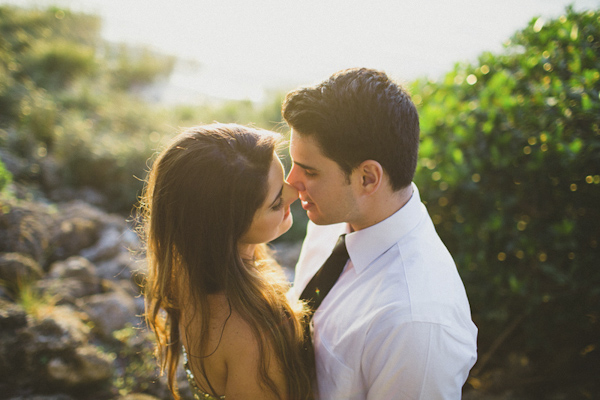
71	309
70	305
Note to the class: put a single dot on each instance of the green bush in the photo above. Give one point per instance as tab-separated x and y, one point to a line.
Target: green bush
134	67
510	152
56	64
5	177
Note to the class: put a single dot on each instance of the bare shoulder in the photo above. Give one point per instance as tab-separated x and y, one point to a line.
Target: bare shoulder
243	358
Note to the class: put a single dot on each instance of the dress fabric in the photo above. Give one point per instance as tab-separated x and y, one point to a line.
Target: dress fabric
196	391
397	323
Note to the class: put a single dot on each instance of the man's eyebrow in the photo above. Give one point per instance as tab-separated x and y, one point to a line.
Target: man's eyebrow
278	196
304	166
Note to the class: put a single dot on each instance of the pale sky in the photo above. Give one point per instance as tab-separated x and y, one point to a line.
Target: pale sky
245	47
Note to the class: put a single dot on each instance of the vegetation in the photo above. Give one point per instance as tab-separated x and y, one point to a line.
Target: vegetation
68	102
509	159
510	156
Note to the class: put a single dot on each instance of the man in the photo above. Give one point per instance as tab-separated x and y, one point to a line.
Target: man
396	324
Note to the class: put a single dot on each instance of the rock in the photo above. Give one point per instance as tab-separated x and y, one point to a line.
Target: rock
110	311
12	318
80	226
19	168
119	267
70	280
86	366
41	397
28	343
17	269
49	173
25	227
73	234
67	291
85	194
74	267
61	331
109	245
137	396
125	266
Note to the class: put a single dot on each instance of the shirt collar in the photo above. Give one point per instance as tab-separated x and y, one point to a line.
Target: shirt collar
366	245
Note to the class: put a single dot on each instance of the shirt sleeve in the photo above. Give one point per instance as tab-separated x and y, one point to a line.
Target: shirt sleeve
416	360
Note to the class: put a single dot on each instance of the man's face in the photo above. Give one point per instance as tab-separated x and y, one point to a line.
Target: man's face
323	188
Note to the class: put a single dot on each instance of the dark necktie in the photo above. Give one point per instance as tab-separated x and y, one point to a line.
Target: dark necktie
325	278
317	289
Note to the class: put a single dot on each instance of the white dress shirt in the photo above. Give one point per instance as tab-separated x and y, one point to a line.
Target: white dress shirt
397	324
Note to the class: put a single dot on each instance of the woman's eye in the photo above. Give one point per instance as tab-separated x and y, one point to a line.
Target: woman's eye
278	205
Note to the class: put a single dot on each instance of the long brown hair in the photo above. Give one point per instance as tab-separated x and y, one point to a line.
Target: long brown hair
200	197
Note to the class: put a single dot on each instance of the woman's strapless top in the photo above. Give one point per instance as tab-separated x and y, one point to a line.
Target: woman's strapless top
196	392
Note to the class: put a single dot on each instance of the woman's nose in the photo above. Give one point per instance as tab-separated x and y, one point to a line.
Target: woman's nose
290	194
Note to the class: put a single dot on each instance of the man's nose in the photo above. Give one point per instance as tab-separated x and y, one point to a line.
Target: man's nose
295	180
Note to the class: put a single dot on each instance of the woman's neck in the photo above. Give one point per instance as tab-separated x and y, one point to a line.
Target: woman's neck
246	251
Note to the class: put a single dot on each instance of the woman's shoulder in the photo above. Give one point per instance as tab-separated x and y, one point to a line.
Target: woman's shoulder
244	353
239	338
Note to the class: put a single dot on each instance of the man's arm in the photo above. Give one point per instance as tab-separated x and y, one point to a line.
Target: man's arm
416	360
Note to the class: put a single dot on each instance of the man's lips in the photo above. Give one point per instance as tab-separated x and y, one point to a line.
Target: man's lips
306	204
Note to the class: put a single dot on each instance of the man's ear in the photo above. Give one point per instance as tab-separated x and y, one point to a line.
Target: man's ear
370	173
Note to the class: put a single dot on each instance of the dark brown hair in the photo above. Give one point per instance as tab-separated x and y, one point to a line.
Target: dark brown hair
358	115
200	198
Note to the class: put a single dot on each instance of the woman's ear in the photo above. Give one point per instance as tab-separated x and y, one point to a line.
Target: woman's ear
370	173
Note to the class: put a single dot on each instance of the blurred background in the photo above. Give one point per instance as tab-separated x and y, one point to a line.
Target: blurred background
508	96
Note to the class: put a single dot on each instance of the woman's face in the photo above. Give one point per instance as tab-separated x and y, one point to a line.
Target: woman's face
273	218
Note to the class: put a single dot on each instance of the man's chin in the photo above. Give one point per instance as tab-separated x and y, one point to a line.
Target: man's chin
318	219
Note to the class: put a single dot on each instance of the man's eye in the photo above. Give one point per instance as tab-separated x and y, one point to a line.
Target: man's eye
309	173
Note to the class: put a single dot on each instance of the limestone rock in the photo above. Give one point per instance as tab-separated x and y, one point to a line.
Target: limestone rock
76	228
12	318
42	397
62	330
137	396
108	246
73	267
86	366
110	311
25	227
70	280
17	268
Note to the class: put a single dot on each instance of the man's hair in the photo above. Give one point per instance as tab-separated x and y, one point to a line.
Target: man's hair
357	115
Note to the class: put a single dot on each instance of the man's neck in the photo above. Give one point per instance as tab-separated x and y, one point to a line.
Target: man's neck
382	207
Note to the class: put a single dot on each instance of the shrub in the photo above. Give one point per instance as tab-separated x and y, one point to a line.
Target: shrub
510	155
5	177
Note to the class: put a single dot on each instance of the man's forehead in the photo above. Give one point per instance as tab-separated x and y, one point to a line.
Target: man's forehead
299	139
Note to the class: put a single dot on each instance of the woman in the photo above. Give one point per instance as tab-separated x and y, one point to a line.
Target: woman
212	199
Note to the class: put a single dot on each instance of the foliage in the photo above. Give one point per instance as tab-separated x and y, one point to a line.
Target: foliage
136	367
511	151
135	67
36	303
5	177
70	102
